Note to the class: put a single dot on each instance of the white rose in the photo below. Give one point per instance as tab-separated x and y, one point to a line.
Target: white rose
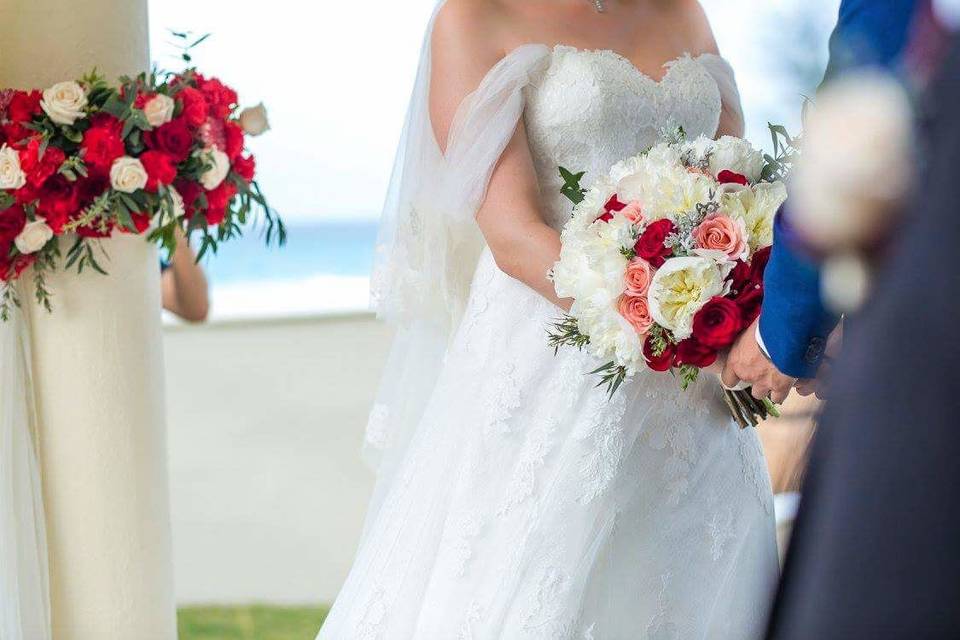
216	174
64	102
11	175
35	236
681	287
159	110
737	155
127	175
254	120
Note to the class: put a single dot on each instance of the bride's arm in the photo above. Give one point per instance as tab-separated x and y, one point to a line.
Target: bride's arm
463	51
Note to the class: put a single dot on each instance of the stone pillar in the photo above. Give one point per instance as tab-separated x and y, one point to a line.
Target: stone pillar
98	367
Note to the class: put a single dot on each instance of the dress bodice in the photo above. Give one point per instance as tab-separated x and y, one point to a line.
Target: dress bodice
589	109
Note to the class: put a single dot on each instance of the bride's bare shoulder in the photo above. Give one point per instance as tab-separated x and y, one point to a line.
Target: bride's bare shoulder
470	27
697	25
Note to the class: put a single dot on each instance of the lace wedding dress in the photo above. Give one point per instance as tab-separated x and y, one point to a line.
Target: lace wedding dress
516	500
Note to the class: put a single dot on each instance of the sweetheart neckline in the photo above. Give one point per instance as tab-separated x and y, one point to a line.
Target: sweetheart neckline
669	65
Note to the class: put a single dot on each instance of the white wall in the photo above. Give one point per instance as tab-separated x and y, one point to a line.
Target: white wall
265	425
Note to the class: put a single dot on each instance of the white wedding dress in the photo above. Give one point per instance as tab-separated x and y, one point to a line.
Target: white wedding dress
516	500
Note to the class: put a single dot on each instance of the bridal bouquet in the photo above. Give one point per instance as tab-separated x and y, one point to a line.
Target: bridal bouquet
86	158
664	259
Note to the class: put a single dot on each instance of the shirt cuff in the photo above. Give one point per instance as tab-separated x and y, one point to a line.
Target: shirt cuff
760	342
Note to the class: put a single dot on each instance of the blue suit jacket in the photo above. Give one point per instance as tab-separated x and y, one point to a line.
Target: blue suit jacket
794	324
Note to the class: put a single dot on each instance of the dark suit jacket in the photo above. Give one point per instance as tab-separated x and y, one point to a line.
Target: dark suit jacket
876	551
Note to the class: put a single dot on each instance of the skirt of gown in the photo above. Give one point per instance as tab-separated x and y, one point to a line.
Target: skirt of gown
530	505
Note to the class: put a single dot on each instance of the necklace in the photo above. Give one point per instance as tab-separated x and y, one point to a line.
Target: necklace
599	6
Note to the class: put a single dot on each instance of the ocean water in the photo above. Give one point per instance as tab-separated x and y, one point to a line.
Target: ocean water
324	267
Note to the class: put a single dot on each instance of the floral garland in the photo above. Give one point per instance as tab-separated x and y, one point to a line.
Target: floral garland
85	159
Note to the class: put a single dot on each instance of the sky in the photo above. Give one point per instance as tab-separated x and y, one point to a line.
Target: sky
336	77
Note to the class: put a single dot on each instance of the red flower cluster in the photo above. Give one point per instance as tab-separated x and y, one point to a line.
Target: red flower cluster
66	179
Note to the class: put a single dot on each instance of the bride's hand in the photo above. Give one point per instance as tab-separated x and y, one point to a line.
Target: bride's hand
717	367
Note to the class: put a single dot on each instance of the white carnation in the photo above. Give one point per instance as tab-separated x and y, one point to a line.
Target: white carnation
64	102
737	155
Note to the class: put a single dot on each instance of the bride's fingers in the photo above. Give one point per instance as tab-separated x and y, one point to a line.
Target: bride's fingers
718	366
728	377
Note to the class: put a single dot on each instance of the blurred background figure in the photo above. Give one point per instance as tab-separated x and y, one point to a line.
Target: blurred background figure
875	553
184	285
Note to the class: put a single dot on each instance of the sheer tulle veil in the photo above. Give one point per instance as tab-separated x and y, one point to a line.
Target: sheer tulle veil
429	243
24	592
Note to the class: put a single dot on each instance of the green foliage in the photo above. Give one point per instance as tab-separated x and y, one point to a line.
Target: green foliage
571	185
611	376
186	41
786	151
566	333
687	374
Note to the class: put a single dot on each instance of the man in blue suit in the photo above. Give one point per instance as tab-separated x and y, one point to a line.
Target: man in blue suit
789	340
875	552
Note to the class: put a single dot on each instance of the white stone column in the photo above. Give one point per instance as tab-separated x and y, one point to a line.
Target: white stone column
98	368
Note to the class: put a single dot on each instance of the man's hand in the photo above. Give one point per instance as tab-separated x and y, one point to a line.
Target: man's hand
747	363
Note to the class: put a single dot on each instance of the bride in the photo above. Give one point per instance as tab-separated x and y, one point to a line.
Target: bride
515	500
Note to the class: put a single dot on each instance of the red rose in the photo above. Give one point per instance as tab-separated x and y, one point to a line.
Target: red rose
245	167
218	200
740	277
661	362
221	98
89	189
190	192
718	323
12	221
12	267
696	354
58	202
750	301
23	106
233	140
102	143
38	168
15	134
161	169
173	138
758	265
140	220
650	245
729	177
194	106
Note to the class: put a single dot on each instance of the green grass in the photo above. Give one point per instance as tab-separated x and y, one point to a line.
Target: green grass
249	623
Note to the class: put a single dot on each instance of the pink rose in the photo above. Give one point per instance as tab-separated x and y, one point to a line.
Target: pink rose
718	232
637	313
638	276
633	212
